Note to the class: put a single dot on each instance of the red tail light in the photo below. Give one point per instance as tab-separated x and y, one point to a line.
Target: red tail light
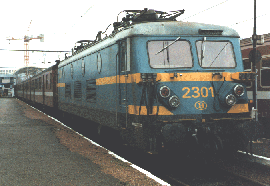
239	90
164	91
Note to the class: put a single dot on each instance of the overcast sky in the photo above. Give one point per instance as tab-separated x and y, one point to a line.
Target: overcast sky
65	22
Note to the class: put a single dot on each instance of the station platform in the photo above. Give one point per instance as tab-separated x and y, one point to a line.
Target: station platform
38	150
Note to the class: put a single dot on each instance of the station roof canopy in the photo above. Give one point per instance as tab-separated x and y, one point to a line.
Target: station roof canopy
29	70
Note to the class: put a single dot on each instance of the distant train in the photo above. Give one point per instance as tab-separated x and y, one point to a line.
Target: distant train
163	84
40	89
263	84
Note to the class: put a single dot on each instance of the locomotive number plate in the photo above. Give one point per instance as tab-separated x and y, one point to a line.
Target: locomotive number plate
197	92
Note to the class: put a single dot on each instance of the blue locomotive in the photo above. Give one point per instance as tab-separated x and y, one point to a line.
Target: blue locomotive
162	83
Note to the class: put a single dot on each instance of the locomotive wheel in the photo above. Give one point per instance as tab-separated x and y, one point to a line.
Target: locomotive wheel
192	146
235	141
209	145
216	143
240	141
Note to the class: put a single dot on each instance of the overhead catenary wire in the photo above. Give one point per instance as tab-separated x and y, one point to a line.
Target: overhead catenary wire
248	20
87	11
82	15
206	10
35	50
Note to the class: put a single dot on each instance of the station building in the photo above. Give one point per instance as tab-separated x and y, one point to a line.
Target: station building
27	72
7	81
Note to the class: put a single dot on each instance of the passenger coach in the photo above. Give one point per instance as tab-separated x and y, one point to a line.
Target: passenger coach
40	89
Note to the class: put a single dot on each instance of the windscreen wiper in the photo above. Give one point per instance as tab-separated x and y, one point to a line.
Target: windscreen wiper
202	50
218	54
168	45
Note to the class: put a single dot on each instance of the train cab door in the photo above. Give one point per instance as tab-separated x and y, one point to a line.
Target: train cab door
123	71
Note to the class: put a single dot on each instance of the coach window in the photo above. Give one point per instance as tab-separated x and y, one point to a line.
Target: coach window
47	81
169	54
265	73
39	83
33	85
51	80
36	86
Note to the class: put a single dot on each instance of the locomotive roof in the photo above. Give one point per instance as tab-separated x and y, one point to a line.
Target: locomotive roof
178	28
169	28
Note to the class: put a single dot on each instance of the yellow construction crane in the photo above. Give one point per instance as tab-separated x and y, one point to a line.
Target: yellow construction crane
27	39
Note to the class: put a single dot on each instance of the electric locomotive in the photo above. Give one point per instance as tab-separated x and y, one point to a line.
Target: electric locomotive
162	83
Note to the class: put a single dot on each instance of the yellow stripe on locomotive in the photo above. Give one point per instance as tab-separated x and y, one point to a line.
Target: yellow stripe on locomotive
198	92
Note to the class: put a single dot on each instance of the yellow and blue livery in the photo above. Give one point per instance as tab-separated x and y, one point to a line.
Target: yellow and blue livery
162	83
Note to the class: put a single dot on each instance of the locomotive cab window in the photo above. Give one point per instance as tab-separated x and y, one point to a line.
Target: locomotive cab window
169	54
265	73
215	54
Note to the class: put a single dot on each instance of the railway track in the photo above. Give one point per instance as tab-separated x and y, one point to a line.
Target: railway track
243	167
218	178
217	172
186	172
183	171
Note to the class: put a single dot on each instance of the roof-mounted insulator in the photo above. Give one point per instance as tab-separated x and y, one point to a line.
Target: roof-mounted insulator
146	15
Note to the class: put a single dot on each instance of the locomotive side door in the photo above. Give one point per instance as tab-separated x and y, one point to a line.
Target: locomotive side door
123	71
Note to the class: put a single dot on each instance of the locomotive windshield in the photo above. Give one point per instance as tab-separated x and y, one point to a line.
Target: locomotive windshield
215	54
177	55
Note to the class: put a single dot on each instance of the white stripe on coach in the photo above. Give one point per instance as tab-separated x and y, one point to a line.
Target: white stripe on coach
260	94
46	94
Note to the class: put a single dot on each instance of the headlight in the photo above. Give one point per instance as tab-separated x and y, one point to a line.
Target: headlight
174	101
230	100
164	91
239	90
